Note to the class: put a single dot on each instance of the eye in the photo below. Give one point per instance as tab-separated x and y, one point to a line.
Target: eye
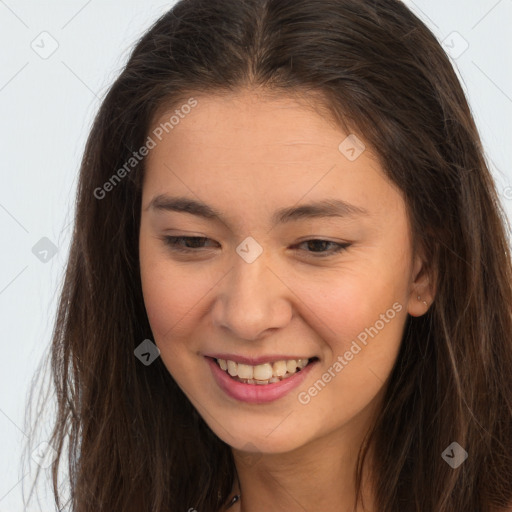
321	244
190	244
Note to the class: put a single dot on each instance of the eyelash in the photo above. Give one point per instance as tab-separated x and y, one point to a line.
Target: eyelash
172	241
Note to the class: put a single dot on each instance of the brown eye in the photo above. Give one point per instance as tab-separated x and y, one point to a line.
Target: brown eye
318	245
185	243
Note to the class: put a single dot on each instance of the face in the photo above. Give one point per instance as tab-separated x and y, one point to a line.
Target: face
299	249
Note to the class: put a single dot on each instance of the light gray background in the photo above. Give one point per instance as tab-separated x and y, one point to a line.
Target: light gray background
47	103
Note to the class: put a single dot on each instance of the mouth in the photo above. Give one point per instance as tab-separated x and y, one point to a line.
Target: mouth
265	373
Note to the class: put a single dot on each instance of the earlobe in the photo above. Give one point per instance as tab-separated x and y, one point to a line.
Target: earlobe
421	307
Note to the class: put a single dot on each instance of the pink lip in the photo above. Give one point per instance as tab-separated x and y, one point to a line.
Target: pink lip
254	361
257	393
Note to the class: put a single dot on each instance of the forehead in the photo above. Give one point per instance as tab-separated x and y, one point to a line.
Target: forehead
252	118
253	147
250	129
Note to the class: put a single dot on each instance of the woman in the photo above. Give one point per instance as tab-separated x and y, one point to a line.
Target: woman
289	286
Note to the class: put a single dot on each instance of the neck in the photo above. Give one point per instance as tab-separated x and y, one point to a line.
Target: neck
316	476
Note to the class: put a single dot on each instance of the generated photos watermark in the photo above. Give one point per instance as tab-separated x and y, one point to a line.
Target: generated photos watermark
304	397
143	151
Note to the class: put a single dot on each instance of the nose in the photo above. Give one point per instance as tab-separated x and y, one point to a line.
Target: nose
252	300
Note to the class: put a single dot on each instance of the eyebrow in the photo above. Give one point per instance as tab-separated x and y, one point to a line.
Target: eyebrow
318	209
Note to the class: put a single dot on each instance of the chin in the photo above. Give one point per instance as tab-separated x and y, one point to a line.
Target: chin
255	440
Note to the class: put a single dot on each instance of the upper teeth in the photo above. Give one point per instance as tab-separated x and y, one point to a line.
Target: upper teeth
265	371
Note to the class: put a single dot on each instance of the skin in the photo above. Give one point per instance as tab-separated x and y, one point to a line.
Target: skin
247	155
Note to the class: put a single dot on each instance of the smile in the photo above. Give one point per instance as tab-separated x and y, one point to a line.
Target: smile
266	373
259	383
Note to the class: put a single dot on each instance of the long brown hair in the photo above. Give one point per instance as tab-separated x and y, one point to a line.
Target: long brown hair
135	441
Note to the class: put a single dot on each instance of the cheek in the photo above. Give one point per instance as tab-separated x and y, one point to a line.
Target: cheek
173	299
341	306
172	304
172	293
360	316
361	335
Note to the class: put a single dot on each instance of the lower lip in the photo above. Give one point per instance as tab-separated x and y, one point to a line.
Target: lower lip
257	393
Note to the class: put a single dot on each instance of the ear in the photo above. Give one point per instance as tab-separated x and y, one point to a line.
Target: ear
422	286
